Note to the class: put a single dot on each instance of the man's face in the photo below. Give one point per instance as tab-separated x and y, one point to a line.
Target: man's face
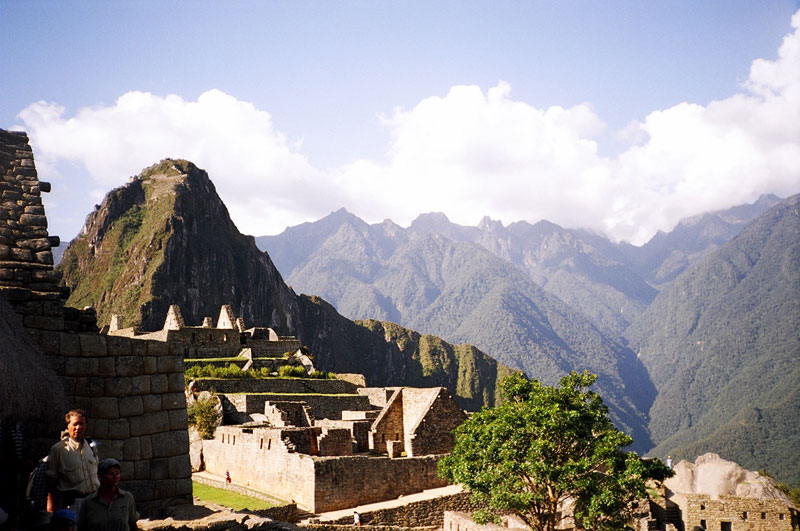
76	427
111	477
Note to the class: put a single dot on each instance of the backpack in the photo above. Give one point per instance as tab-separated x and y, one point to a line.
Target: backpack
36	492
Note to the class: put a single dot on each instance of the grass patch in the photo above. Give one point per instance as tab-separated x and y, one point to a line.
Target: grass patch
228	498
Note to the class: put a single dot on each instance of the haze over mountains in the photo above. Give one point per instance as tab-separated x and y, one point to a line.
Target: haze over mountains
482	284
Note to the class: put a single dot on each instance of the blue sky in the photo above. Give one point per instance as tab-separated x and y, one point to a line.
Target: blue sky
622	117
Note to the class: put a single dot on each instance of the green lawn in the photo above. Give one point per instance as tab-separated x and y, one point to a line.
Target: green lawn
228	498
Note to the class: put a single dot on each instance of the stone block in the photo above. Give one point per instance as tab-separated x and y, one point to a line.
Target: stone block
98	428
157	348
21	255
130	406
37	244
173	401
93	345
164	489
70	345
88	386
129	366
110	448
104	408
141	469
149	365
52	308
132	451
106	367
118	346
176	382
81	367
170	443
159	384
179	466
159	468
142	491
138	348
33	220
67	382
150	423
146	447
118	386
170	364
119	429
5	251
183	487
126	469
48	342
44	257
140	385
178	419
151	403
43	322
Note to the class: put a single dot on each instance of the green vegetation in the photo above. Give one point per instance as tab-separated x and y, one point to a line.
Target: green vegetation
205	415
228	498
234	371
545	445
724	355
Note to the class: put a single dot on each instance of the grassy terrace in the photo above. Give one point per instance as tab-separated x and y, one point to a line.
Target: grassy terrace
228	498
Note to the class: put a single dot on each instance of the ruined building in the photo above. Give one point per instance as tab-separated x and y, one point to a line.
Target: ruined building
325	443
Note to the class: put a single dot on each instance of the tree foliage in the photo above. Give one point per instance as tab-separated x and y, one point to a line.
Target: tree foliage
547	447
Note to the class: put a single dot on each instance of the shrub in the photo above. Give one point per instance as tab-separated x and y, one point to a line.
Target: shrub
204	414
292	371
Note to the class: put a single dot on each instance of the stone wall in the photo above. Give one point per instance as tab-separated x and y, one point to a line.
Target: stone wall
133	393
260	458
433	433
282	386
389	424
422	513
343	482
743	514
240	407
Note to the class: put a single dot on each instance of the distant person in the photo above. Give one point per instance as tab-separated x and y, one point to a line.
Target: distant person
356	518
227	477
669	461
110	508
71	466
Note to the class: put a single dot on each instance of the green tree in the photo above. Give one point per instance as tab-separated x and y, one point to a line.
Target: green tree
545	447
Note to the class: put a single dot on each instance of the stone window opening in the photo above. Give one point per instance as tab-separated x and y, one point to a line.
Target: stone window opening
261	444
234	439
210	337
780	516
703	524
763	516
702	507
225	337
725	526
194	337
744	515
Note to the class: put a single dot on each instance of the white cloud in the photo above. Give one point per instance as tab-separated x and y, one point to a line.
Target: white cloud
468	153
254	168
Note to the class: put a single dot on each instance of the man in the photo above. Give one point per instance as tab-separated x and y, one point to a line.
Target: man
71	466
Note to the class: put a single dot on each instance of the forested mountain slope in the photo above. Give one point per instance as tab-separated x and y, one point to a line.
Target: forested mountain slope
166	238
721	344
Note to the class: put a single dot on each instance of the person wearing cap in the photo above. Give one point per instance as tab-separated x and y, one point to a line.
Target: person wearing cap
71	466
110	508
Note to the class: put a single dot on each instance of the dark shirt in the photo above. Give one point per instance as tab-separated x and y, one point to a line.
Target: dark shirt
118	515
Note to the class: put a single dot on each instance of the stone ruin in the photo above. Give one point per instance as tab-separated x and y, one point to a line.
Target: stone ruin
714	493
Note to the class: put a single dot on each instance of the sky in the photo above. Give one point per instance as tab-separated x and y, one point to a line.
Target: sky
621	117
